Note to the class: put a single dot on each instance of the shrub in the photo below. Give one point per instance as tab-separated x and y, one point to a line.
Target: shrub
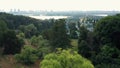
42	45
27	56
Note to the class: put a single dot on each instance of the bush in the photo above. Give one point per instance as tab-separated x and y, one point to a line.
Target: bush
65	59
42	45
27	56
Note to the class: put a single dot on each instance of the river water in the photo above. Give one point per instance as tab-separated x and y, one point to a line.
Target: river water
48	17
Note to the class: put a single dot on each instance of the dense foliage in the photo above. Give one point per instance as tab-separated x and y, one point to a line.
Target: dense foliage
28	55
9	42
65	59
98	42
101	46
42	45
107	31
73	30
29	30
84	42
3	28
17	21
57	35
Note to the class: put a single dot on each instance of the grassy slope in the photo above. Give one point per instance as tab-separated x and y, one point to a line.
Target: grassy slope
8	61
74	43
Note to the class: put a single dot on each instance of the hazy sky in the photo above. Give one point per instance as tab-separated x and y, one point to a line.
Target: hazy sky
60	5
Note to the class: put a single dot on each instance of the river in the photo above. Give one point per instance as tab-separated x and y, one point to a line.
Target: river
48	17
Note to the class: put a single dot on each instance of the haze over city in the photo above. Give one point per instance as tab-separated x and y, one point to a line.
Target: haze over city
61	5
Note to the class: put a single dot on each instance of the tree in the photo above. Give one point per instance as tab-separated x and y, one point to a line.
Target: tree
21	35
42	45
47	34
83	34
106	39
73	29
27	56
65	59
29	30
84	42
22	28
107	30
84	50
3	28
59	37
11	43
108	57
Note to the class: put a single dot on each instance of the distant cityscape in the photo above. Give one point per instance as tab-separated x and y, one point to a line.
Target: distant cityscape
56	13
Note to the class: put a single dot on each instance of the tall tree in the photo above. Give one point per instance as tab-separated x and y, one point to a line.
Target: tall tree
83	42
59	37
3	28
73	29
